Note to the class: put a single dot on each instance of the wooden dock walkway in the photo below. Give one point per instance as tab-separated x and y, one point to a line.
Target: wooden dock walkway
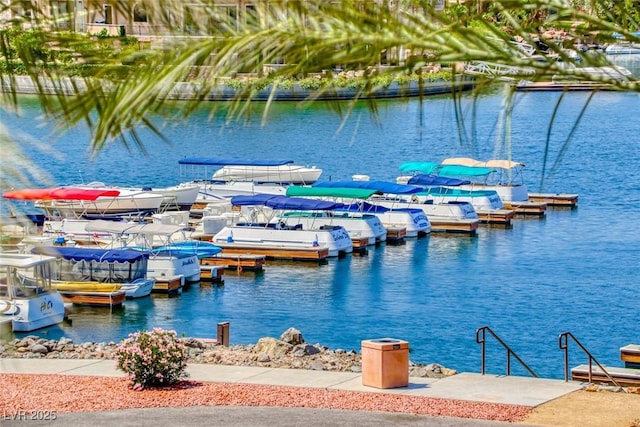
629	376
527	208
460	226
240	262
555	199
496	216
396	235
95	299
168	284
277	252
212	273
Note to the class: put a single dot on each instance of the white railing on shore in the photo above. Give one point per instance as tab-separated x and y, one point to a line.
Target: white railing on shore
496	70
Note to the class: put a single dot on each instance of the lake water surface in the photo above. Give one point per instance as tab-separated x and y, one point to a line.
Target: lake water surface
575	270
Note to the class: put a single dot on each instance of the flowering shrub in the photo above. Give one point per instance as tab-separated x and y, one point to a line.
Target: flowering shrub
152	359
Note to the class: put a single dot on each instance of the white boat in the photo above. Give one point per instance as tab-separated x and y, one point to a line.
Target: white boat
284	173
260	232
27	299
623	48
413	220
359	225
177	197
75	202
235	177
505	178
149	237
441	186
88	269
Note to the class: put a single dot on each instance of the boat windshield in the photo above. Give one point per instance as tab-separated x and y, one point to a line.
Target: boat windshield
18	282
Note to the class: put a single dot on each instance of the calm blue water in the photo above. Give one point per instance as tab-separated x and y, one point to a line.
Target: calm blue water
575	270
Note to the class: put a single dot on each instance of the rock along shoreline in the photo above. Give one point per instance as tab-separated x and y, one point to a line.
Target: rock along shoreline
289	351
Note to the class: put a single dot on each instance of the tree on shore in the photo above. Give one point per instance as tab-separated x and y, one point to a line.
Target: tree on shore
119	85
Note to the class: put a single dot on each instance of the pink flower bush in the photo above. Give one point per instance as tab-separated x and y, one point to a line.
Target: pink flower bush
154	358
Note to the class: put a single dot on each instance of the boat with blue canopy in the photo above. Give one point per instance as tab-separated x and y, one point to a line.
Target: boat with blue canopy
262	229
89	270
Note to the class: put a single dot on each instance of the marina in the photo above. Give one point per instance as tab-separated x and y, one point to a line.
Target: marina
529	282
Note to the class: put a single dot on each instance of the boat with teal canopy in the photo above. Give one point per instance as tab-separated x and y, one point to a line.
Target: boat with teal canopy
422	167
431	168
461	170
382	186
338	192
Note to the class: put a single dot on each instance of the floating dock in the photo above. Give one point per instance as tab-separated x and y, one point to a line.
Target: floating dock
461	226
555	199
96	299
496	216
396	235
625	377
527	208
240	262
630	355
277	252
168	284
211	273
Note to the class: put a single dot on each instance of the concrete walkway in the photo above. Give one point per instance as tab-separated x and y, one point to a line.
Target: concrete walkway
511	390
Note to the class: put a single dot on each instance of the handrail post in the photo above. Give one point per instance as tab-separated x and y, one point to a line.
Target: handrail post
562	344
481	341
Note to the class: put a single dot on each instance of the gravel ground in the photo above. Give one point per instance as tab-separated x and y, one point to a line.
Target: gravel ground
69	394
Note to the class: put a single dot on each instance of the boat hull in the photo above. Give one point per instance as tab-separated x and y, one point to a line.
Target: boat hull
217	190
139	288
290	174
30	314
358	225
335	239
168	264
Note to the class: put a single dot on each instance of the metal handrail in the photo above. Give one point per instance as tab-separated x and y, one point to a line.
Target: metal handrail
563	343
480	339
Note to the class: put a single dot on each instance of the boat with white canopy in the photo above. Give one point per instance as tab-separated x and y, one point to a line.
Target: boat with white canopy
165	259
27	299
224	178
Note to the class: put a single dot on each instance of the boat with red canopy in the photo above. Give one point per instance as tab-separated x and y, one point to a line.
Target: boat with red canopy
60	193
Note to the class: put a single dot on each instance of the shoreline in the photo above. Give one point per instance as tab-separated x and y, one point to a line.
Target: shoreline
185	91
290	351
